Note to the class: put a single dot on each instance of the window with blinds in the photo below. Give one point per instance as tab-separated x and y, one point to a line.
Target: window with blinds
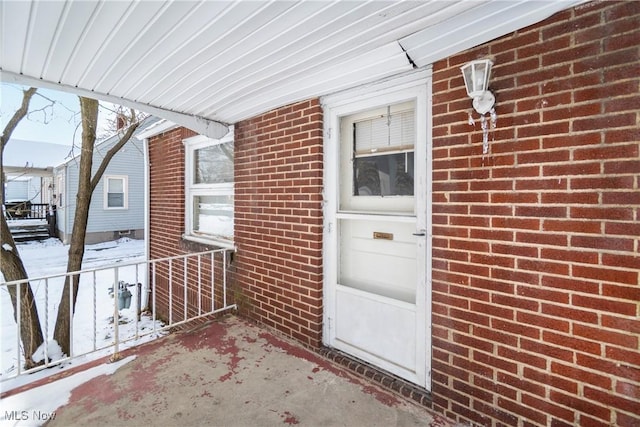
383	159
392	132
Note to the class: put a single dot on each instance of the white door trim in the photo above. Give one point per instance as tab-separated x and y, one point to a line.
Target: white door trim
416	86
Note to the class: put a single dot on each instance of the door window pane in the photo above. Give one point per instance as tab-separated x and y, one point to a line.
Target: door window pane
384	175
389	132
378	257
383	154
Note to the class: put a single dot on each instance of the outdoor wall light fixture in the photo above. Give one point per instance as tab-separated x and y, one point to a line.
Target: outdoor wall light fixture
476	79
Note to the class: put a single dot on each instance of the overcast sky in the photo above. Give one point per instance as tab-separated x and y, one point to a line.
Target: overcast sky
57	123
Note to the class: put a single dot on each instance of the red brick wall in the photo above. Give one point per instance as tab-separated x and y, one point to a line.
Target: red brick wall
277	269
278	219
166	174
535	258
166	159
535	251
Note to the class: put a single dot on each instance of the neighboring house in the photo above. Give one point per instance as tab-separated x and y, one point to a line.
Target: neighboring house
117	205
370	221
28	168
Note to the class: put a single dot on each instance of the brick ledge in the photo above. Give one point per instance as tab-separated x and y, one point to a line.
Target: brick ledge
384	378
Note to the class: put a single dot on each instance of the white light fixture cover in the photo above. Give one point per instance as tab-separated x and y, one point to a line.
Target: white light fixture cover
476	79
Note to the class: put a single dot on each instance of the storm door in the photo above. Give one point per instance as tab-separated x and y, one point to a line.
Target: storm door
377	283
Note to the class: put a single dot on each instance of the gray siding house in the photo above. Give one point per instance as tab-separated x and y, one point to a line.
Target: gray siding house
117	205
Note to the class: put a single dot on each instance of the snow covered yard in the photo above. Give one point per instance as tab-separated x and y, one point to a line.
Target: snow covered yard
93	327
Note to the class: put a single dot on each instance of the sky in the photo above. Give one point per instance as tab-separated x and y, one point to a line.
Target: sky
54	116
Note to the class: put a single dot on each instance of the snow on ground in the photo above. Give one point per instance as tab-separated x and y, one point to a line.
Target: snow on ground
34	407
93	329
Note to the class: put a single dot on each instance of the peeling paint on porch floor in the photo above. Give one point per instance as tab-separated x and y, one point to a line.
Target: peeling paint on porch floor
233	373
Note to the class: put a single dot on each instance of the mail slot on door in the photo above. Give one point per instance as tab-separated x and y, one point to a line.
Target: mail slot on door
383	236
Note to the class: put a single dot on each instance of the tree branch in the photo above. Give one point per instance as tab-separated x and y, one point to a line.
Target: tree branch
17	116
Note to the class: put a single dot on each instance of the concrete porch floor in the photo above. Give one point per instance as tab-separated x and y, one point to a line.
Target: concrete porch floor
229	372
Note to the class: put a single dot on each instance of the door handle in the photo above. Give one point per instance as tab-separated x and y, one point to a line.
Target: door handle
420	234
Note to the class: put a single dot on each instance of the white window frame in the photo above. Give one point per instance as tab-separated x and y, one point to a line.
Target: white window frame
125	189
192	190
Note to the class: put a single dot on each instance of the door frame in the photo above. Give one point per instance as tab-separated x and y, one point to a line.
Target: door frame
415	85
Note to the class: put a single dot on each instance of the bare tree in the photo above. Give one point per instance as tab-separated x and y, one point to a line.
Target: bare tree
11	264
114	118
86	185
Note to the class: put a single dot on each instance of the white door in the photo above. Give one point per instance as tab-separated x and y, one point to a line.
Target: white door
376	285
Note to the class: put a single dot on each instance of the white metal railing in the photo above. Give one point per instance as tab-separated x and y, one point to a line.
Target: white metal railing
176	289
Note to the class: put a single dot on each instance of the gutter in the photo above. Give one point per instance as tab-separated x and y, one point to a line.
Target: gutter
144	295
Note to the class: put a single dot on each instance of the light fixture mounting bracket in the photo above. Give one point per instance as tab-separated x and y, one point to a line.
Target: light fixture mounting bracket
484	103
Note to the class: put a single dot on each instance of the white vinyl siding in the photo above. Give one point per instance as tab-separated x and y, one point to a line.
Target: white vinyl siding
16	190
129	162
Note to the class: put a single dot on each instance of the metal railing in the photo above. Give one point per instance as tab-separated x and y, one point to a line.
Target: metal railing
166	293
26	210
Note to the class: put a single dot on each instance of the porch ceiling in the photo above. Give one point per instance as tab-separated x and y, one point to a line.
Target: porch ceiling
201	63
